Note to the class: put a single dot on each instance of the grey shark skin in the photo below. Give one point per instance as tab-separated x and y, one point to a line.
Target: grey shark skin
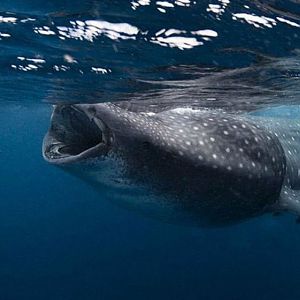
181	165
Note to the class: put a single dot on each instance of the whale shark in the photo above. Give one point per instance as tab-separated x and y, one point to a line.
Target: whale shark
181	164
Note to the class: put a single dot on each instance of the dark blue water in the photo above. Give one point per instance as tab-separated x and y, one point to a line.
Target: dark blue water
61	239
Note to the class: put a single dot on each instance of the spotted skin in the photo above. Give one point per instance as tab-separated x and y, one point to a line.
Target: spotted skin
283	122
223	141
213	167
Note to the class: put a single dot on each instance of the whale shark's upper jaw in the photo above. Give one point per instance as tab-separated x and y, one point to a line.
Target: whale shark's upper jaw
74	135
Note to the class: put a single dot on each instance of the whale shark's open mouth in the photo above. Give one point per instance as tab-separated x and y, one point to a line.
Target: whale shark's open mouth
74	135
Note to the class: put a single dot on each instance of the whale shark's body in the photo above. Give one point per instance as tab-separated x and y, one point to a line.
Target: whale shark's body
181	164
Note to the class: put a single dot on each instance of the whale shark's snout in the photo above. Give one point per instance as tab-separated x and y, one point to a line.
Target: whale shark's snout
74	135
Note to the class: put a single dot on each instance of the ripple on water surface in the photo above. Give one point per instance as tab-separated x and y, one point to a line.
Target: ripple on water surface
95	51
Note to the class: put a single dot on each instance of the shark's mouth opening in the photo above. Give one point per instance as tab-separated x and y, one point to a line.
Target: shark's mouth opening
74	135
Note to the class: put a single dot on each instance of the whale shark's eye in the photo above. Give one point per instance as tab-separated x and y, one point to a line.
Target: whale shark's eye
73	135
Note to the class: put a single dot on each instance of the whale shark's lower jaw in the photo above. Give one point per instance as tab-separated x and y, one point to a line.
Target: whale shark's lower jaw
74	135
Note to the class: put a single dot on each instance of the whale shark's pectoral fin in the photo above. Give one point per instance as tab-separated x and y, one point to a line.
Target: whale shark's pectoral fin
289	201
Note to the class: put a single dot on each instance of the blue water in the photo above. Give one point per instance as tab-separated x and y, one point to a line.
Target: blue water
60	238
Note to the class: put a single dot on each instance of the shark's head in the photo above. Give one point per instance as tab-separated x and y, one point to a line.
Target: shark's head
74	135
